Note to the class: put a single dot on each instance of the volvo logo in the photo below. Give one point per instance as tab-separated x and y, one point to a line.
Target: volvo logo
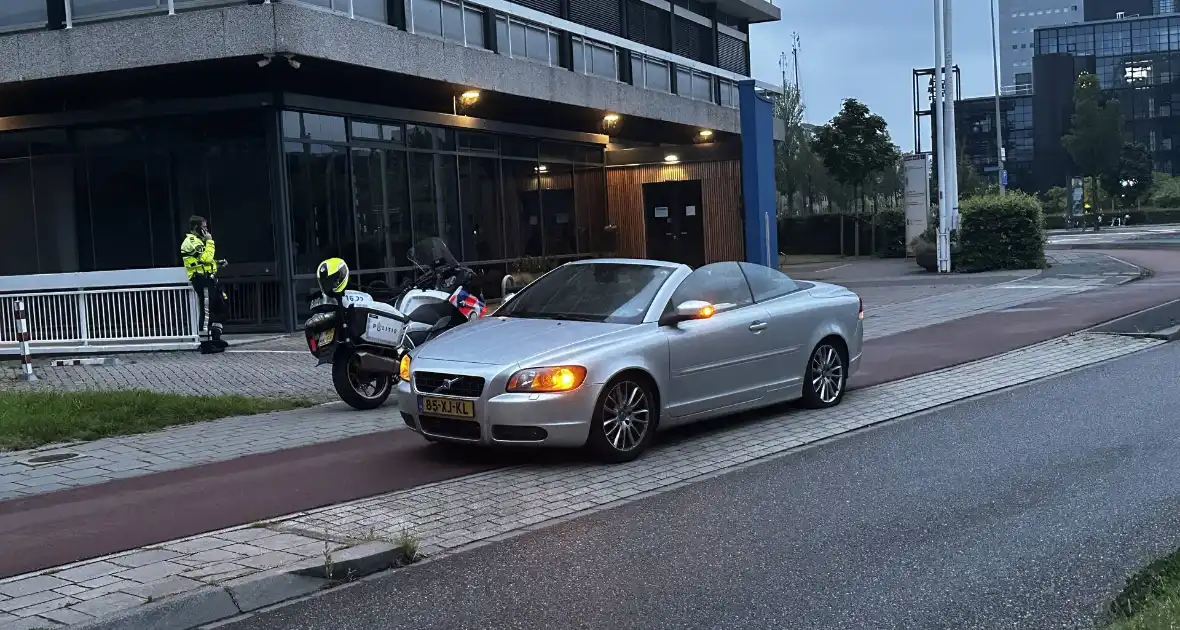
446	384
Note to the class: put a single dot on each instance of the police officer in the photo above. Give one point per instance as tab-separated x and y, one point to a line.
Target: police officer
198	252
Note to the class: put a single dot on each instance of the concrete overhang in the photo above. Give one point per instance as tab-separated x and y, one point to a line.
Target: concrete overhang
753	10
246	30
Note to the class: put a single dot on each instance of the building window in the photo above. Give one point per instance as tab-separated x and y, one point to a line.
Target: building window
594	58
729	93
519	39
651	73
694	84
16	13
454	21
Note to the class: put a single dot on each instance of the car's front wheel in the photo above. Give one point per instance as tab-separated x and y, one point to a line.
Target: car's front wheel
826	376
624	421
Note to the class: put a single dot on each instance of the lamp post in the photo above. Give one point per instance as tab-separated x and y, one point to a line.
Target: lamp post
999	121
944	173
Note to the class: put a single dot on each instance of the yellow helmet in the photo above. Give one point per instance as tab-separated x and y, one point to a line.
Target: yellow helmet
332	276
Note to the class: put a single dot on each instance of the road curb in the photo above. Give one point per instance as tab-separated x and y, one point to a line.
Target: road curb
195	609
1158	322
1132	244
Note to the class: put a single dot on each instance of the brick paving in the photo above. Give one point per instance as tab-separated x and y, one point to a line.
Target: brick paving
451	514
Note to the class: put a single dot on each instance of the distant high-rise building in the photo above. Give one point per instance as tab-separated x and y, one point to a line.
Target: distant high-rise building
1019	18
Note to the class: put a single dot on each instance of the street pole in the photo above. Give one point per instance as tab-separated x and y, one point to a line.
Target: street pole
952	149
943	241
999	120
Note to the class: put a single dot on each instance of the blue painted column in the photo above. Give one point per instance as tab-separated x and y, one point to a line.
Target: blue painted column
761	225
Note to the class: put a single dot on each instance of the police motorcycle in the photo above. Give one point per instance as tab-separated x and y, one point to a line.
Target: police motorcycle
365	338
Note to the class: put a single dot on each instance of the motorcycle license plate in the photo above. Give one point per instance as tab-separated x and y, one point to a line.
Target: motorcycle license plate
326	337
433	406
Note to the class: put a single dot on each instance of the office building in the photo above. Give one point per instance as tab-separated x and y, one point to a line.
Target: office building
975	130
305	129
1018	19
1137	62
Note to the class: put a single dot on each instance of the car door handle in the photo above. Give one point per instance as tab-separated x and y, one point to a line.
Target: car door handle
758	326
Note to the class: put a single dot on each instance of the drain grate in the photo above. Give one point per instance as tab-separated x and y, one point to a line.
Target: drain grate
51	458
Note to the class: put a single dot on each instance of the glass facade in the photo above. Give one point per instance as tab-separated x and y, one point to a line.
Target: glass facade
1137	62
975	128
118	196
367	190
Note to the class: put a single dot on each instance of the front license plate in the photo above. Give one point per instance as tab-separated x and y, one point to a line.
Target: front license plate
446	407
327	336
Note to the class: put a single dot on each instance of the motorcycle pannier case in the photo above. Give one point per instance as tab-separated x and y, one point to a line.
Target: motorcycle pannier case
375	326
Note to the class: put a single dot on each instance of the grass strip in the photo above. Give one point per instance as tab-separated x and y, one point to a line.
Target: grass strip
32	419
1151	598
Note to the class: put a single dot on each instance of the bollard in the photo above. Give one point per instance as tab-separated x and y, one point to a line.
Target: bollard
22	337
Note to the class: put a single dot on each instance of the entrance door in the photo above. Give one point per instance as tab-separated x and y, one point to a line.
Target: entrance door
672	214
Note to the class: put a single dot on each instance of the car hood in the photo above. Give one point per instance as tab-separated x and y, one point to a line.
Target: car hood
507	341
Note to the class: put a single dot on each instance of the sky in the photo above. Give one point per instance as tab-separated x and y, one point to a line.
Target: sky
867	50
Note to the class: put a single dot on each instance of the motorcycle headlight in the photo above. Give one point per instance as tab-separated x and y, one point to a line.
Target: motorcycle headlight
547	379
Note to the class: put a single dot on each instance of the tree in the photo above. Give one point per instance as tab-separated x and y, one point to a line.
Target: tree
855	145
1130	179
790	162
1095	127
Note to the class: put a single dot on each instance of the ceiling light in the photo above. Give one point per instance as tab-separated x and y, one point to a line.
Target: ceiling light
542	169
469	97
610	118
706	133
671	158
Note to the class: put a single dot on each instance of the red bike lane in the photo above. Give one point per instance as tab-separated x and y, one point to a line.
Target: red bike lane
71	525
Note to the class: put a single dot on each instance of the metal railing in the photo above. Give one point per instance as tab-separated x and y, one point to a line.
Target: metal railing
103	311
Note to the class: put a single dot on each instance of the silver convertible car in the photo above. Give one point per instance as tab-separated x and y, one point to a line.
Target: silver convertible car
602	353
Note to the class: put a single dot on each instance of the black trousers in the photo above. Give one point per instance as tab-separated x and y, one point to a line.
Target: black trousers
210	307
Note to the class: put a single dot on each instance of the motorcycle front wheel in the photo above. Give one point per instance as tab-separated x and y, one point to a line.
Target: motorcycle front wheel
360	390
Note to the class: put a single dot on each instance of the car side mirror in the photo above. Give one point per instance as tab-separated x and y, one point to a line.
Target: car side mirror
688	310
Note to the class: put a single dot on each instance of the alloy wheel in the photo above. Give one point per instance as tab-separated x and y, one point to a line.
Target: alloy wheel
827	374
626	416
367	387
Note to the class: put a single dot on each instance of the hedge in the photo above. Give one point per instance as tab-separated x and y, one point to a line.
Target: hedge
821	234
1145	216
1001	232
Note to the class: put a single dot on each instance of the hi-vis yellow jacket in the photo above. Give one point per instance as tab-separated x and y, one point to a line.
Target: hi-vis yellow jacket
198	256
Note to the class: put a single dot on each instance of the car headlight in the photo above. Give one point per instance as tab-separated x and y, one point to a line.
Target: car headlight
404	368
547	379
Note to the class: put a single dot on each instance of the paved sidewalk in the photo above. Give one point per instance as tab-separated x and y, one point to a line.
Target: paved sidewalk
452	514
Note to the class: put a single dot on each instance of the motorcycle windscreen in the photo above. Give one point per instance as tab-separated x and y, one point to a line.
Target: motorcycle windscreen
430	252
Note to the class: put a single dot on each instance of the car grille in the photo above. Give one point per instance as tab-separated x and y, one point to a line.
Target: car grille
465	386
450	427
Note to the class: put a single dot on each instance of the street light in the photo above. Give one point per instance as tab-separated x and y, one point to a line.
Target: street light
999	121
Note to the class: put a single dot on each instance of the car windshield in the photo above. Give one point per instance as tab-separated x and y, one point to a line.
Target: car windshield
613	293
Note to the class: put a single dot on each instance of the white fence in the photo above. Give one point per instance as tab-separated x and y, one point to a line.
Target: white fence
101	311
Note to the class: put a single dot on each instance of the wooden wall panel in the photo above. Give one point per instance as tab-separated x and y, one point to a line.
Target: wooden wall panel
721	205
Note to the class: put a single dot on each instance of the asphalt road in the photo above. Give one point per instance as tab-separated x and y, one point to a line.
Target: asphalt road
1023	509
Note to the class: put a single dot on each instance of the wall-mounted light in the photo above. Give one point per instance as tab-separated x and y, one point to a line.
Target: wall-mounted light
671	158
542	169
706	133
265	61
466	99
292	61
610	119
